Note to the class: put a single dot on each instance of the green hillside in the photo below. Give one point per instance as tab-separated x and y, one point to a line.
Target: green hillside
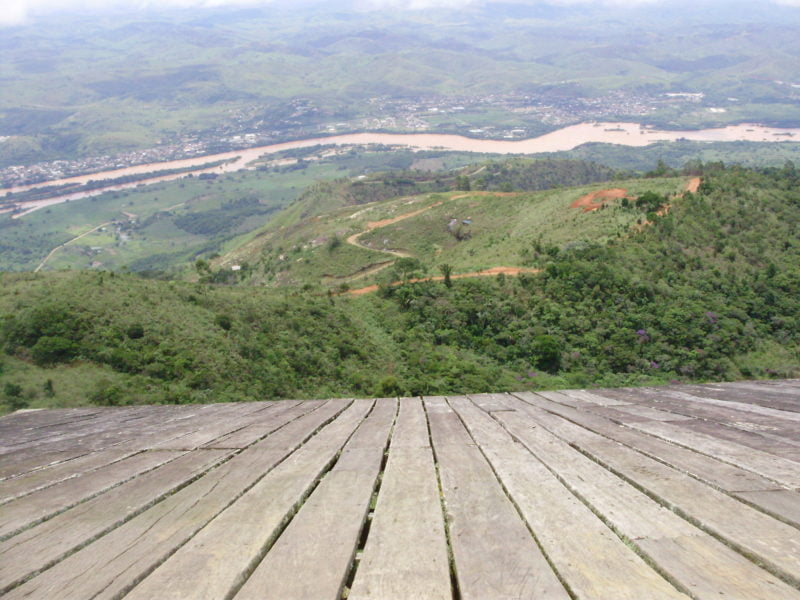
707	291
468	230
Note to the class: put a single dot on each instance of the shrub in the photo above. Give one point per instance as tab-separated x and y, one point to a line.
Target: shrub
50	350
223	322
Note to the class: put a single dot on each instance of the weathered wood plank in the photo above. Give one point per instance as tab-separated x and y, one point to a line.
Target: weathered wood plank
445	422
780	470
128	433
100	424
706	468
411	428
260	427
785	504
495	554
18	463
756	534
114	563
771	445
679	549
234	420
590	558
45	477
406	552
775	401
780	429
39	547
223	554
325	532
783	415
24	512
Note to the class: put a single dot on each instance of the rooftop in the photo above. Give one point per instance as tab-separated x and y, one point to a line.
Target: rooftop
647	493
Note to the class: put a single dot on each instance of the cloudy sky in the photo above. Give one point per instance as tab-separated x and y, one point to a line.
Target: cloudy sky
14	12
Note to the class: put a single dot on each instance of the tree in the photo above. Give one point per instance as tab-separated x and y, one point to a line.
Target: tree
462	183
408	268
547	353
446	270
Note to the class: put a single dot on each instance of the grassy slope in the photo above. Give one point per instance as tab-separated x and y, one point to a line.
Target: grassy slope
502	227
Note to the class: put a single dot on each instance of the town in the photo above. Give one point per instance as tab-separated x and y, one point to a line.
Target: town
524	115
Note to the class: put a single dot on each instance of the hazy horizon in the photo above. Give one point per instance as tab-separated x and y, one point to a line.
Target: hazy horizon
22	12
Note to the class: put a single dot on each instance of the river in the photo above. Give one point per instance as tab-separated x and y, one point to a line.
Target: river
568	138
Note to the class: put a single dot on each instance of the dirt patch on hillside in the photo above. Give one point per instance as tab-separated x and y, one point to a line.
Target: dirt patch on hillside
485	273
694	185
596	200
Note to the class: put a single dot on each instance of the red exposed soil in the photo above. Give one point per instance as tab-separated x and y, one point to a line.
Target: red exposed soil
694	185
595	200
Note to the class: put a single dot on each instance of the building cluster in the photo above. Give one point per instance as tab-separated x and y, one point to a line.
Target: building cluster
300	118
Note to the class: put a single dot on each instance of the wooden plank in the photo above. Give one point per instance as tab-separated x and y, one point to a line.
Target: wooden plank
771	445
651	413
764	388
781	470
239	417
491	402
783	415
784	504
127	433
779	428
260	428
49	475
593	398
34	508
406	551
701	466
115	562
710	570
19	463
775	401
39	547
102	424
40	433
590	558
42	478
20	422
495	555
411	428
693	560
771	541
325	532
224	553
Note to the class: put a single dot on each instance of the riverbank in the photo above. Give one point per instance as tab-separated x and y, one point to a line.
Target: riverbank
568	138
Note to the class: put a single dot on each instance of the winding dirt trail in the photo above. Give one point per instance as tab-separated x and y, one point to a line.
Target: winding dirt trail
354	240
57	248
587	203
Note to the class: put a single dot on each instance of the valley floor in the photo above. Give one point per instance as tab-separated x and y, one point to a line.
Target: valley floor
685	491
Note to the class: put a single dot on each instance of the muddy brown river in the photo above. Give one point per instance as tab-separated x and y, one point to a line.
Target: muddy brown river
568	138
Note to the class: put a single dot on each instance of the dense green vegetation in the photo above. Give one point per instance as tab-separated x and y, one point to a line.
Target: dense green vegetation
707	291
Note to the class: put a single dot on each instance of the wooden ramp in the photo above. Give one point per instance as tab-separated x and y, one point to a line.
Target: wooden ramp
629	494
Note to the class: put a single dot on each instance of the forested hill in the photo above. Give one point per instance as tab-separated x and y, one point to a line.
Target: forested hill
706	291
519	174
